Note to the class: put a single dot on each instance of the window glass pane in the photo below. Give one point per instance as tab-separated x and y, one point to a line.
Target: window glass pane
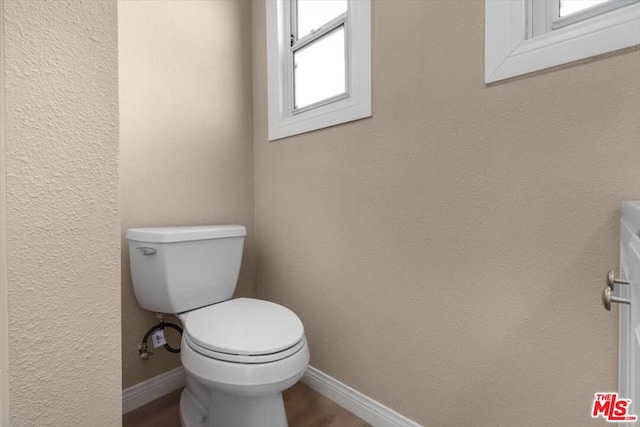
319	69
313	14
567	7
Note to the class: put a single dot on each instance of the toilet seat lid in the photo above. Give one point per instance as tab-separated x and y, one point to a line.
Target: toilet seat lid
244	326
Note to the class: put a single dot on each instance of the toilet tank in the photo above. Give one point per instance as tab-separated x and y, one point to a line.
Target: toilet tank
177	269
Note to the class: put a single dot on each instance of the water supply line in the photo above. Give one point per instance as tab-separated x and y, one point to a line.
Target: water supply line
143	347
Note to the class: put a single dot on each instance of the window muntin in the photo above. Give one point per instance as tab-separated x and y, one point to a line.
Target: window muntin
319	70
311	15
318	51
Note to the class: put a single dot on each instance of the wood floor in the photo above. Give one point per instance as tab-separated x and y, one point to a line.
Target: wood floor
305	408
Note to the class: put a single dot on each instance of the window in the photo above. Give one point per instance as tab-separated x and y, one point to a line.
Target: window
522	36
319	64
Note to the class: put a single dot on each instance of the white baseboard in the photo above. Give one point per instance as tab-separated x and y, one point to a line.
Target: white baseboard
355	402
152	389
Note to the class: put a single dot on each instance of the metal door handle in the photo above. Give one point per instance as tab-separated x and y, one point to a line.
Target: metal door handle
607	299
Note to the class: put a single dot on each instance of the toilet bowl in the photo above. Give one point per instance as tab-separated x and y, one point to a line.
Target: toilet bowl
238	354
244	353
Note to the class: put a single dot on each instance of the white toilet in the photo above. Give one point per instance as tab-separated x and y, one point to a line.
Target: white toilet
239	354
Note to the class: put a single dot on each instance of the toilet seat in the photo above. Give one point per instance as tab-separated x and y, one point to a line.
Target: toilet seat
244	330
238	358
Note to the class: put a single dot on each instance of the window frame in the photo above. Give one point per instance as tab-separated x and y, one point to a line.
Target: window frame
284	119
511	51
298	44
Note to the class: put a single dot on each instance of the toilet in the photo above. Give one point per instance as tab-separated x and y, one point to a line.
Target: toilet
239	354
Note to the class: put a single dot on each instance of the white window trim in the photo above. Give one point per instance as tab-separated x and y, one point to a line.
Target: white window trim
508	52
282	121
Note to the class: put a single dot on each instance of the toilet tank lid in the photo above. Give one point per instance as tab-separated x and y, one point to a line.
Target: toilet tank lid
185	234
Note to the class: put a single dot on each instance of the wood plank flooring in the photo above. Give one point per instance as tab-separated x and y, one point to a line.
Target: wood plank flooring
305	408
162	412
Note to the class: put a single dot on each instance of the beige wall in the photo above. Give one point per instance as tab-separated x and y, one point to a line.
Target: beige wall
447	255
185	136
4	303
63	265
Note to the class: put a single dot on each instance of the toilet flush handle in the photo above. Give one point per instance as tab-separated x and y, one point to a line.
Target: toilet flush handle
146	250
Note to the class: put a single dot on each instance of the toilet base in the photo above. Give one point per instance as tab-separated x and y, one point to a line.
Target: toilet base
224	394
192	414
228	410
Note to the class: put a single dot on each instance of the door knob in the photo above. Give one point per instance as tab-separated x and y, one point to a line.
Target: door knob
607	299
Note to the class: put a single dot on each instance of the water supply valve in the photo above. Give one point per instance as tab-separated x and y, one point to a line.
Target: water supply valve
158	339
145	354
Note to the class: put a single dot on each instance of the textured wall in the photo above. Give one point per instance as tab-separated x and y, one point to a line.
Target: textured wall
4	303
63	220
447	255
186	148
